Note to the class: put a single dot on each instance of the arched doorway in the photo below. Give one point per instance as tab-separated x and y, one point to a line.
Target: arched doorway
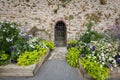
60	34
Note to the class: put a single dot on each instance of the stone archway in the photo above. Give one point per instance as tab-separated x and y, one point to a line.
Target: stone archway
60	34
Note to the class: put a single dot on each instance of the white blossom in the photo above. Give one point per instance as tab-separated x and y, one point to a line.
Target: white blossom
8	39
11	26
102	54
101	66
32	46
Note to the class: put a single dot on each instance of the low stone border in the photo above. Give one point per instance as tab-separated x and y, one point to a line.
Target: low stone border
115	74
84	73
15	70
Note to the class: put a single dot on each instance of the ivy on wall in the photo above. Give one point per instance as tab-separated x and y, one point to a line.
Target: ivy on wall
62	4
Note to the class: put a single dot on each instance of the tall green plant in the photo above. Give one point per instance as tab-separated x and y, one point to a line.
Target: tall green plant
8	35
90	35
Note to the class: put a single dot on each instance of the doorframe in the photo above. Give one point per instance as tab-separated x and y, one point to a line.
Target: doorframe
65	31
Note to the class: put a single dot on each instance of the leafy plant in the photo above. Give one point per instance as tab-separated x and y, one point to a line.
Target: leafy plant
63	4
113	32
90	35
85	48
94	69
73	57
28	58
72	43
4	58
71	17
49	44
8	35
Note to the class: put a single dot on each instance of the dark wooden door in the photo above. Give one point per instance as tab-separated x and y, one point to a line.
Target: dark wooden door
60	34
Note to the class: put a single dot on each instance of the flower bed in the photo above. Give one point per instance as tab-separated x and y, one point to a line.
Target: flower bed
115	74
16	70
99	55
18	48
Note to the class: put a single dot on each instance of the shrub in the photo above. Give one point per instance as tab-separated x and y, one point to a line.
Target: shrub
73	57
4	58
8	35
28	58
49	44
90	35
72	43
94	69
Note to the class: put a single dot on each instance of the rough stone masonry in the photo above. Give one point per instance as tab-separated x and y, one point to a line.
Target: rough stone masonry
45	13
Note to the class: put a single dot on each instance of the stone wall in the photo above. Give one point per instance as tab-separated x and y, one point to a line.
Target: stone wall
45	13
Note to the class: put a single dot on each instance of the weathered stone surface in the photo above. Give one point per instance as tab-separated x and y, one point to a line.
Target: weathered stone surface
41	13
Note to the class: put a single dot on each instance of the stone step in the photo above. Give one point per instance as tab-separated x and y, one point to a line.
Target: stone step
60	43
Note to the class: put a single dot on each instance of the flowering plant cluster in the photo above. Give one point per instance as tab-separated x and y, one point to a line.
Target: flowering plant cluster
99	53
14	41
102	52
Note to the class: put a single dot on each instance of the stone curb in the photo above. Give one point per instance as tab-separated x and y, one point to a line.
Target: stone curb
15	70
113	74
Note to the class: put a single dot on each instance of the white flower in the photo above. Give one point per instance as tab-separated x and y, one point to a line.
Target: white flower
109	44
102	54
114	61
8	40
103	63
94	57
115	65
4	30
32	46
11	26
111	68
103	58
108	49
110	58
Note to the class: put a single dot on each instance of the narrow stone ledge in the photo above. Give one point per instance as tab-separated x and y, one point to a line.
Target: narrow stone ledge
15	70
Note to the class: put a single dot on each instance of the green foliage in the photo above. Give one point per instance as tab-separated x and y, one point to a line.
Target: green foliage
72	43
63	4
94	69
71	17
85	48
28	58
14	55
103	2
49	44
3	56
73	57
8	35
4	59
90	35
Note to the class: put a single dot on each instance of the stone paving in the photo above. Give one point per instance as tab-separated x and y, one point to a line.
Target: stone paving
58	53
54	68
